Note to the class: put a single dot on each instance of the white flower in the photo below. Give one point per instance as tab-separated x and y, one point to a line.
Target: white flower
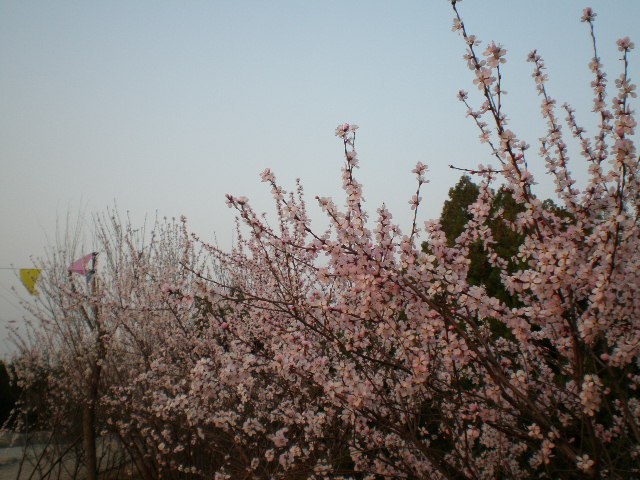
584	463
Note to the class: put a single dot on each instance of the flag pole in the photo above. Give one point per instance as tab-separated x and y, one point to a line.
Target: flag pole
89	410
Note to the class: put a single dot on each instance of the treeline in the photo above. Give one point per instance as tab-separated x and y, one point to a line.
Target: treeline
9	392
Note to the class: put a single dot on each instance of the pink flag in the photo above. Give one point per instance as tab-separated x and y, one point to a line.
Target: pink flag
80	265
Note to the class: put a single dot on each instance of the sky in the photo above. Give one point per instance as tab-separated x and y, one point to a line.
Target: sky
163	107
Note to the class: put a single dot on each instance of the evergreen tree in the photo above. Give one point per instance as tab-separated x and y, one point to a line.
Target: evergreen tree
455	212
504	209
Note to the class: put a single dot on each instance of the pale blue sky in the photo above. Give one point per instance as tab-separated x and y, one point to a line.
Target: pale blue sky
166	106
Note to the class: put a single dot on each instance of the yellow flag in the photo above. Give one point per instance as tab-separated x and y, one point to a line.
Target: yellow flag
29	277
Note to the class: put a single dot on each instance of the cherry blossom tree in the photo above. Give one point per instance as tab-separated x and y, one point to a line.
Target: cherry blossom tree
354	352
91	333
437	378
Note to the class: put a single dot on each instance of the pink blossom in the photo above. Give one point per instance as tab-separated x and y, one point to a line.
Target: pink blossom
344	129
625	44
420	169
267	176
588	15
495	55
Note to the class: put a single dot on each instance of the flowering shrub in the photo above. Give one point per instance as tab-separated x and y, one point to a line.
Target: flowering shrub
354	352
409	350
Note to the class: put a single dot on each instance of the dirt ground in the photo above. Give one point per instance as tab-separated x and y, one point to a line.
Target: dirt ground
14	461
